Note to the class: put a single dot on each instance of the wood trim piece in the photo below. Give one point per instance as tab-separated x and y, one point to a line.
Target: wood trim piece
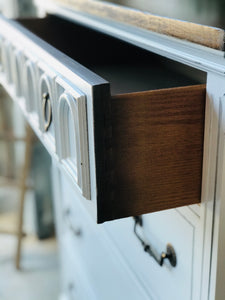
157	150
200	34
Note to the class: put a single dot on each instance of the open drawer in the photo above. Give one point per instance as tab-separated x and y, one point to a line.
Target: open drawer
131	143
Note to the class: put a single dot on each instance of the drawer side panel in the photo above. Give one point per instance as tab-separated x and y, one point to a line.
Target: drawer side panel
157	146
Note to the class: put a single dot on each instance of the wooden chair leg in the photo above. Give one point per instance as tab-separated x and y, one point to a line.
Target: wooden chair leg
10	232
22	188
6	126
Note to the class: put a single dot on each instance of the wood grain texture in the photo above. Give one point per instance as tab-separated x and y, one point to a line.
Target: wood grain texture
200	34
157	150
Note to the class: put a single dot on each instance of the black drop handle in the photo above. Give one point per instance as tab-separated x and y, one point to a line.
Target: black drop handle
170	253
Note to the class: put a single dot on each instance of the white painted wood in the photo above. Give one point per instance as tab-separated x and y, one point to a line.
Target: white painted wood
216	89
30	79
6	62
196	208
103	266
159	229
85	85
10	8
201	271
72	120
17	71
79	218
57	196
197	221
46	85
76	283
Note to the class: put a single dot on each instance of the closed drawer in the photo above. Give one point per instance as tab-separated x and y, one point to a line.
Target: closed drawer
85	246
159	229
130	144
75	284
108	279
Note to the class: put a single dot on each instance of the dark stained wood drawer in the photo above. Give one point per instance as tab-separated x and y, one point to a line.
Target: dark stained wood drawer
157	142
130	144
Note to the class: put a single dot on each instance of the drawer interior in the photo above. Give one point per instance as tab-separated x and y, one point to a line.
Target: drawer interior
149	134
126	67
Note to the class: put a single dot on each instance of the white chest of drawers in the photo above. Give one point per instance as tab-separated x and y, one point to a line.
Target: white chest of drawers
62	101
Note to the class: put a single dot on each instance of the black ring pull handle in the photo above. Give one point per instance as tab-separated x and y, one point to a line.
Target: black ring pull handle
47	110
170	253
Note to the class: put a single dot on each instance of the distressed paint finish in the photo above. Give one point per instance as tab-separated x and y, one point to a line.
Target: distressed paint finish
204	35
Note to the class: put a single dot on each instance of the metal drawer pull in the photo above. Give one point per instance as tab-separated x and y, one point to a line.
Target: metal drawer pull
170	253
47	110
71	286
76	231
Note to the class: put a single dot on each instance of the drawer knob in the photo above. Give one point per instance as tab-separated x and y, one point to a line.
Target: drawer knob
71	286
76	231
170	253
47	110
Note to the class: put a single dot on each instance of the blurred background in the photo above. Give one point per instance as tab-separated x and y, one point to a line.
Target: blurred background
205	12
28	249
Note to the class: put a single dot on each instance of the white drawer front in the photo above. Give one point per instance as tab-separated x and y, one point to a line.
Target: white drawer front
165	282
108	274
38	77
75	284
72	138
6	59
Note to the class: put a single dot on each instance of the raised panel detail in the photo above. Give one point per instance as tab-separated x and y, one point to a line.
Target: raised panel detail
72	130
30	78
158	230
18	71
6	61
